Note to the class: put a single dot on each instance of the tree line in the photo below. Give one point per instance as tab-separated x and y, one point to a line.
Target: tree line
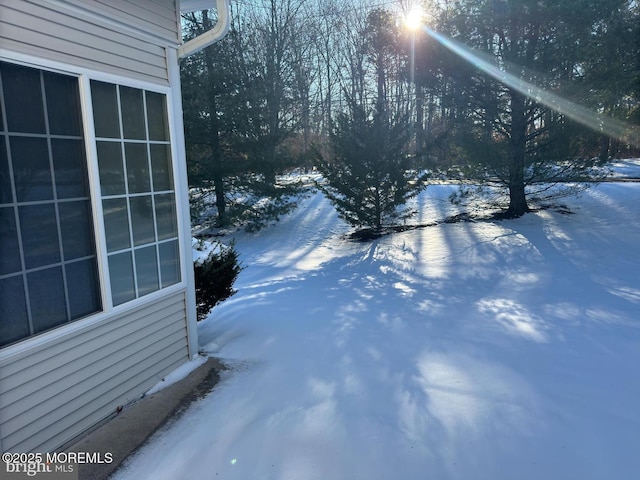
346	88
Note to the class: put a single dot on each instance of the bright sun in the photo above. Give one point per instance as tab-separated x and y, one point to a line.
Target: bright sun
414	17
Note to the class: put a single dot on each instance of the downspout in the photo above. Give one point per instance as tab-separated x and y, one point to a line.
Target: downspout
173	55
219	30
184	214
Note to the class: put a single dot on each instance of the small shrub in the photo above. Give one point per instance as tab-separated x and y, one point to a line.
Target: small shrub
214	278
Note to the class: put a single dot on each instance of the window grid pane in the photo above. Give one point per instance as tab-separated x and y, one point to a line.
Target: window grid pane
137	160
142	220
122	279
46	223
147	269
69	168
6	190
111	168
82	279
105	109
138	196
169	263
157	116
47	298
132	109
31	172
9	246
116	224
39	230
22	99
13	306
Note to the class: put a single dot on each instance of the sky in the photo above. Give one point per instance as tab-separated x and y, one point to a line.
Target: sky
486	350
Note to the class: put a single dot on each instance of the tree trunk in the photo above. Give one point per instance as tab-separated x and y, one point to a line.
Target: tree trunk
518	143
221	202
605	143
378	209
214	132
268	167
517	202
419	118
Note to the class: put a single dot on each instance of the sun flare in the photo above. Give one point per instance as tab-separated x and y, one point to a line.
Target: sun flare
414	17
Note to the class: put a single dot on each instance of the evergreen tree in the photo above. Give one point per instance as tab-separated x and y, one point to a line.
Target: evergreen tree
611	73
510	137
210	114
369	173
236	129
369	177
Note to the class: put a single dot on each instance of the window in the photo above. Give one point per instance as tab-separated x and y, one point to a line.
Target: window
49	273
138	199
48	265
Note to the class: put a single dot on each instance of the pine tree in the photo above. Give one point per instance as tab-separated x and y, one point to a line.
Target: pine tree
237	122
369	177
510	138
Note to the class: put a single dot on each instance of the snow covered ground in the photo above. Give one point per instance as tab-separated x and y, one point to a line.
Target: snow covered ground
487	350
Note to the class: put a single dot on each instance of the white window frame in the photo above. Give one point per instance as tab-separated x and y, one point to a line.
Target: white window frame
87	108
85	76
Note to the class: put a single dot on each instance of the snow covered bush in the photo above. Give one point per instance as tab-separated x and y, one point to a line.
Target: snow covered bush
215	275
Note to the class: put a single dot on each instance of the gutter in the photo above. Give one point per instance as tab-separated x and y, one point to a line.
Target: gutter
214	35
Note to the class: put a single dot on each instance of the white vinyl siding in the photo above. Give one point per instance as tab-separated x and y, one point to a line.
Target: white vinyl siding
72	32
52	394
155	17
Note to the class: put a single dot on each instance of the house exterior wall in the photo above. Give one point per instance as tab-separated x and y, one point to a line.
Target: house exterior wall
56	390
126	38
57	384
